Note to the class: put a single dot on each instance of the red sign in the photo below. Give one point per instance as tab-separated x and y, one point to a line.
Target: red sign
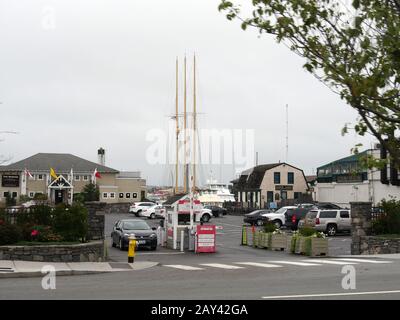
206	239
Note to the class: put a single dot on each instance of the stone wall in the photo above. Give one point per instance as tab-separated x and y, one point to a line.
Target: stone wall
95	220
360	224
378	245
117	208
85	252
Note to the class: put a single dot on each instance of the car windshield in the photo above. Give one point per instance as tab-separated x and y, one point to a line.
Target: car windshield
254	213
136	225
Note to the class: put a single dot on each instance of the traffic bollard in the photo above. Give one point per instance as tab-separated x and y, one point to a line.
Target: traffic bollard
132	249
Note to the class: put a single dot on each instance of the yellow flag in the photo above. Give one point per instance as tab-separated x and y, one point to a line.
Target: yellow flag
53	173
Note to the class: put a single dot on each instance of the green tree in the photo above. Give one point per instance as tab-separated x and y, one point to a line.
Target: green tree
91	192
353	49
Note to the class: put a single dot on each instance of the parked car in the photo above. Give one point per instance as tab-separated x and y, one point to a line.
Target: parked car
206	215
306	205
257	217
138	207
326	205
293	216
278	217
123	229
329	221
160	212
150	212
217	211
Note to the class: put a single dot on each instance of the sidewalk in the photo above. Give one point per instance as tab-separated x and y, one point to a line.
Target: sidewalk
395	256
25	269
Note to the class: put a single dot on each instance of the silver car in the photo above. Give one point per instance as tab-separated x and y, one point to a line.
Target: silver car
329	221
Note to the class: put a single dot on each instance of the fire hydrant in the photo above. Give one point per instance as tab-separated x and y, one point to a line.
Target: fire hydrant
132	248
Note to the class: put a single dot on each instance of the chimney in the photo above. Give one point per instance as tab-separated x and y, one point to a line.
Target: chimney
101	154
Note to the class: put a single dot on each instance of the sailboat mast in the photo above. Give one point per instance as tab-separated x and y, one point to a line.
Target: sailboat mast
194	123
185	186
177	130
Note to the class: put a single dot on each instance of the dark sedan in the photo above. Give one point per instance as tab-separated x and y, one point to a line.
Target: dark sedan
217	211
256	217
123	229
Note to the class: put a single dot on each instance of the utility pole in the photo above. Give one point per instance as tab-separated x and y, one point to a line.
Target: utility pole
287	133
185	182
194	123
177	130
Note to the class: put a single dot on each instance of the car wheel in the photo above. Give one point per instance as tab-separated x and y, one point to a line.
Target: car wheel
121	244
278	224
152	216
331	230
205	217
153	248
260	223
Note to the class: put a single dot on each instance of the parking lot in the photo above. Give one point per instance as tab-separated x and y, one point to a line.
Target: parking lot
228	244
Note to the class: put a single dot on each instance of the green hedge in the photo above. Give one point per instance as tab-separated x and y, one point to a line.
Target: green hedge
9	234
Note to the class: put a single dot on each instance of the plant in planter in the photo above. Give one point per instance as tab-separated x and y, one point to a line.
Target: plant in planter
309	242
316	245
269	229
278	240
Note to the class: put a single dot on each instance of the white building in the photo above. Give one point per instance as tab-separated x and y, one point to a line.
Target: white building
345	180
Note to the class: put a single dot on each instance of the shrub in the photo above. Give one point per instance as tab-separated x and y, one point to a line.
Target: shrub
389	221
307	231
40	196
91	192
9	234
269	227
39	215
44	234
71	223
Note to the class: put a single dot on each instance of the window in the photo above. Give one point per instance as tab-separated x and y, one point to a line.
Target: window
77	178
290	178
112	195
121	195
344	214
40	177
127	195
297	195
15	194
134	195
85	178
277	177
328	214
105	195
31	194
6	194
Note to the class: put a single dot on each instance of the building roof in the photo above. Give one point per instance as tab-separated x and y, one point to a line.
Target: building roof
252	178
349	159
172	199
60	162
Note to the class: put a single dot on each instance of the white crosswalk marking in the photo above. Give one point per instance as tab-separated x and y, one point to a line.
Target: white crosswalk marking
182	267
295	263
220	265
257	264
329	261
364	260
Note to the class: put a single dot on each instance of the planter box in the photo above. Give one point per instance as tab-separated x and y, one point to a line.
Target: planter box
319	247
261	239
289	244
255	239
300	245
278	242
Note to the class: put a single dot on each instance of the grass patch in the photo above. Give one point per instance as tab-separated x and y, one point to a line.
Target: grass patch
37	243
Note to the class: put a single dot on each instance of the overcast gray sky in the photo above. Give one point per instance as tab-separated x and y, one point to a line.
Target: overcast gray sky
100	73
